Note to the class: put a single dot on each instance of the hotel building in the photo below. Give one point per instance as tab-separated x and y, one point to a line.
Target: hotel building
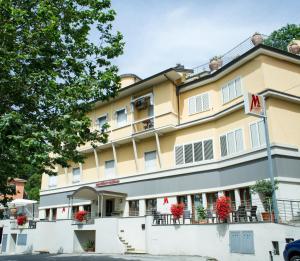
183	136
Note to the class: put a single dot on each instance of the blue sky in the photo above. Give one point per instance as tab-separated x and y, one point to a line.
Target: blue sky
161	33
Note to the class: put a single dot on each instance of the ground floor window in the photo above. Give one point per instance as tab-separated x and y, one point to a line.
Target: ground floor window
54	213
182	199
151	206
245	197
47	214
196	203
211	200
230	194
87	208
133	208
75	209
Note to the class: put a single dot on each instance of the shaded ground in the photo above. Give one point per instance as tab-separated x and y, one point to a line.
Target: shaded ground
94	257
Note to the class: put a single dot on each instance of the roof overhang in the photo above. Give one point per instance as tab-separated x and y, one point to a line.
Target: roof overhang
90	193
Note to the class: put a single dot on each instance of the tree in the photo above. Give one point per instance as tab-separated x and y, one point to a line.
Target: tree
51	74
282	37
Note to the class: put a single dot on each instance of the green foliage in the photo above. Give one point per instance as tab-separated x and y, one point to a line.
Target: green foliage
51	74
264	188
90	244
32	186
283	36
201	212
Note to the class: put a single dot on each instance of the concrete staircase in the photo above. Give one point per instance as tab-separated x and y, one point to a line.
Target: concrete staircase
129	249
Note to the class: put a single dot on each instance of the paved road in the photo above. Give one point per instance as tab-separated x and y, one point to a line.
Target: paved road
94	257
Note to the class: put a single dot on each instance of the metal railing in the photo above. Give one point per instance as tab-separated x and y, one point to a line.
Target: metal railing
143	125
226	58
247	211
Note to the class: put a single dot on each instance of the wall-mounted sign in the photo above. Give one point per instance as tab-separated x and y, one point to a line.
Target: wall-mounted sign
107	182
254	104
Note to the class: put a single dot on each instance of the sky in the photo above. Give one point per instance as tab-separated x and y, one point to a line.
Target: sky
159	34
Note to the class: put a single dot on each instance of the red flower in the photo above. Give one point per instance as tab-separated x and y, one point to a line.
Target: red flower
177	210
223	207
80	215
21	220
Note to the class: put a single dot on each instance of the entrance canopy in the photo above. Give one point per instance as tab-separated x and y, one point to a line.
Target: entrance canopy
99	199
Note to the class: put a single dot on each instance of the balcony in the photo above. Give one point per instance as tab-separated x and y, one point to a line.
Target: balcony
143	125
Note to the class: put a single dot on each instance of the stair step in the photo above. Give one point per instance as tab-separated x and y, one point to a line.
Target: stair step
130	249
135	252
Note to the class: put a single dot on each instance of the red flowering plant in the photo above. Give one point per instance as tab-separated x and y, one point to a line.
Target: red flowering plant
177	210
21	220
223	207
80	215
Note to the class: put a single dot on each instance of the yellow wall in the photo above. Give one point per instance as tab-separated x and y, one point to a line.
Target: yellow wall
256	75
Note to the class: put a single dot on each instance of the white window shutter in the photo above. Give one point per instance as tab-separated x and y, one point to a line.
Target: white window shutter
231	143
192	105
225	92
238	87
188	153
261	132
208	149
179	155
232	93
198	151
205	100
199	107
254	135
223	143
239	140
150	160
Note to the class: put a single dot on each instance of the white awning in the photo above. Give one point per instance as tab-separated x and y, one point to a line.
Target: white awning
21	202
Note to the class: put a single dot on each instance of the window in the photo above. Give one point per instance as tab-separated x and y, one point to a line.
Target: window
257	133
121	117
110	168
133	208
151	206
182	200
52	181
211	200
54	213
194	152
101	121
232	142
150	160
22	240
76	175
231	90
241	242
199	103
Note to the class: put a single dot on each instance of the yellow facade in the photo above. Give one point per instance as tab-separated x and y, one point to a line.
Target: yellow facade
173	125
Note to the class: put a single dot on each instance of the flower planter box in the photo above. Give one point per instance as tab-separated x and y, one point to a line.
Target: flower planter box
266	216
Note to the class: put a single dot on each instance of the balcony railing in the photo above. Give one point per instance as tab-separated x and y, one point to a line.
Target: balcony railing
226	58
143	125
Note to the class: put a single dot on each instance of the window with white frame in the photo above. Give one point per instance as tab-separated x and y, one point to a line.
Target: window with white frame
52	181
194	152
232	142
76	175
101	121
121	117
199	103
150	160
231	90
109	168
257	133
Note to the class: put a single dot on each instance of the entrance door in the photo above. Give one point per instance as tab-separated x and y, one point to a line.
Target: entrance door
109	207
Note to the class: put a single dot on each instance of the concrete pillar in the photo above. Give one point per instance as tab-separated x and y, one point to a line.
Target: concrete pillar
189	202
142	207
126	209
204	200
50	214
237	197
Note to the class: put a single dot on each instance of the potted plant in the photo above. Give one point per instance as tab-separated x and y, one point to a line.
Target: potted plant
201	214
215	63
21	220
223	208
81	215
89	246
177	211
264	189
294	47
257	38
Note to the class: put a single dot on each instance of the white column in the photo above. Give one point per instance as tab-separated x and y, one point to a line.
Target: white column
237	197
158	149
81	171
204	200
220	193
126	209
115	157
66	175
135	155
51	214
189	202
142	207
97	163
